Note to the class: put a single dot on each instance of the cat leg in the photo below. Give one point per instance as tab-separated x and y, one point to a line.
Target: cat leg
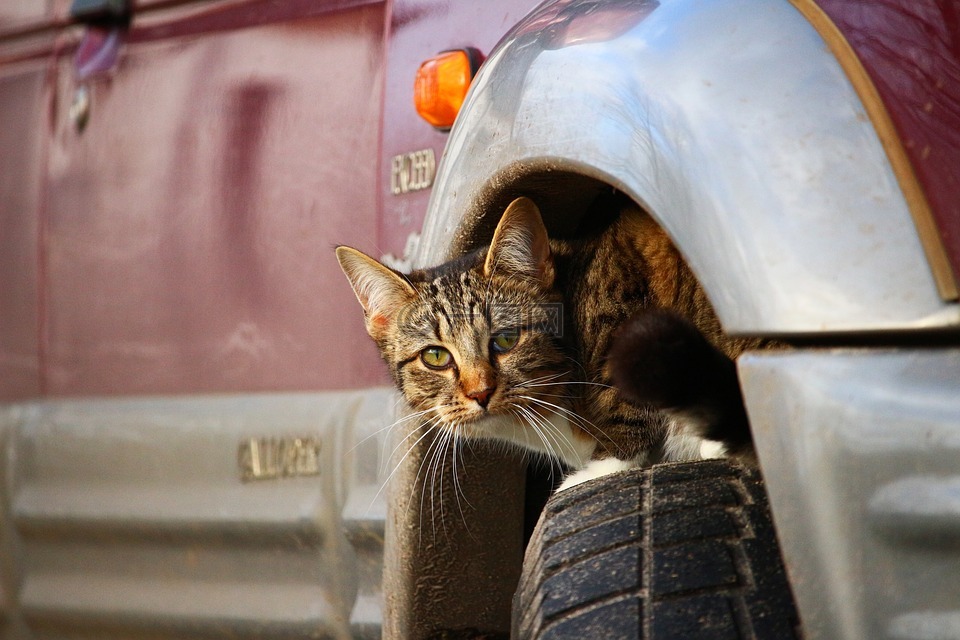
678	446
660	359
712	449
683	442
596	469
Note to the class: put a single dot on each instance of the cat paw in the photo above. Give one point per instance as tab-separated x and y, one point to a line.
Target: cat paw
595	469
660	358
712	449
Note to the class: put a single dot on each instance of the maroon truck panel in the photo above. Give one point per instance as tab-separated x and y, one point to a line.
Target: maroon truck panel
20	15
190	227
22	89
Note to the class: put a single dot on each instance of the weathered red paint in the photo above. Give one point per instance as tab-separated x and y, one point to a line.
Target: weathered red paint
21	93
24	15
911	49
191	226
183	242
419	30
187	233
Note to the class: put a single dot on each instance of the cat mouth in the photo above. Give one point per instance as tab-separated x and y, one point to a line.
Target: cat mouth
473	415
477	414
483	424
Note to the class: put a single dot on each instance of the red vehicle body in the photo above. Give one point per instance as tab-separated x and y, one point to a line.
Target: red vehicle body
177	244
174	175
181	242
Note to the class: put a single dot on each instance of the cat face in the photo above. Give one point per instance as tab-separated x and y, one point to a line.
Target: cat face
469	346
473	344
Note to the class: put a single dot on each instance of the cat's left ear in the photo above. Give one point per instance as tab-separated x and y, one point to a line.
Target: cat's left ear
381	291
520	244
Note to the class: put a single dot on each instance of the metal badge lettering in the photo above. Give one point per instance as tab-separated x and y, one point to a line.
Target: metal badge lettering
278	457
412	171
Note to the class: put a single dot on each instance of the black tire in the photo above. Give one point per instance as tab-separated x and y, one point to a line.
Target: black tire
675	551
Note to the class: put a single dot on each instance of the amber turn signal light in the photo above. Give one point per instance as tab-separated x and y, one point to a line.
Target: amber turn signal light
442	83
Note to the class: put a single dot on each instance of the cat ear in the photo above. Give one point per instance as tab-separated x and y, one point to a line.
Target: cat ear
520	244
381	291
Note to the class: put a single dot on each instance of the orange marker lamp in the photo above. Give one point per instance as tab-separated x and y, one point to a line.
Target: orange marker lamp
442	83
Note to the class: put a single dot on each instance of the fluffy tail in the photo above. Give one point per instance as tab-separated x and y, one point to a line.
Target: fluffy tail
660	358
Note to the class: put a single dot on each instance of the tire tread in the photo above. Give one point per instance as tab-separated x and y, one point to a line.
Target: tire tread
684	550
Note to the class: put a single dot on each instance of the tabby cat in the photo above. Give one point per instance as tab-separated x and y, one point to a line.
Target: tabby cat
511	342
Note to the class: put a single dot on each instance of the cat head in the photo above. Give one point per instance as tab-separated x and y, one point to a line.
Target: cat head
476	337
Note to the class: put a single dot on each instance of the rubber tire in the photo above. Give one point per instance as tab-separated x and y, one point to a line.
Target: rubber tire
674	551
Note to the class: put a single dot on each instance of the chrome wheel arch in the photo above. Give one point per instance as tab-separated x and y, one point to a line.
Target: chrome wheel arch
732	124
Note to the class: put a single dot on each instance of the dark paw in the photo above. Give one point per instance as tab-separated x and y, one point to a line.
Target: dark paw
660	358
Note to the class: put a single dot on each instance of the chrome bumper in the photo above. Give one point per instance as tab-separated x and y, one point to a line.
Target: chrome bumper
861	454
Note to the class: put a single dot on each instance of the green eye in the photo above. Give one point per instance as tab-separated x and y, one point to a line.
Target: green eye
504	341
436	357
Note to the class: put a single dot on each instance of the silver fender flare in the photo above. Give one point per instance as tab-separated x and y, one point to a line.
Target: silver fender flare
734	126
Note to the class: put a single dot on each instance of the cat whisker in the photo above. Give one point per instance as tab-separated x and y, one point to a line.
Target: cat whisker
579	365
521	414
436	419
557	436
435	465
457	453
451	445
528	453
446	451
547	378
573	416
544	394
577	418
548	430
595	384
431	426
447	437
432	468
393	424
562	411
426	460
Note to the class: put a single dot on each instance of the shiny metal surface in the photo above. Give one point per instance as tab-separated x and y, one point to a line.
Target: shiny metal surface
861	454
130	518
734	125
910	49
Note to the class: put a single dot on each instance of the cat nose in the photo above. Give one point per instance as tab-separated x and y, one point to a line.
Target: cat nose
482	396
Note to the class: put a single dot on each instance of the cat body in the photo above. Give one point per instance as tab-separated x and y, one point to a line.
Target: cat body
511	342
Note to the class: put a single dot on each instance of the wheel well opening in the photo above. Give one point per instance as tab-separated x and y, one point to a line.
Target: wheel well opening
572	205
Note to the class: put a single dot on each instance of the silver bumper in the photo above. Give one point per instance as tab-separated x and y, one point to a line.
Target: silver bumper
132	516
861	452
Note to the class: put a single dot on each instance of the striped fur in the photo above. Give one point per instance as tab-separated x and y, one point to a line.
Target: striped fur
552	391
